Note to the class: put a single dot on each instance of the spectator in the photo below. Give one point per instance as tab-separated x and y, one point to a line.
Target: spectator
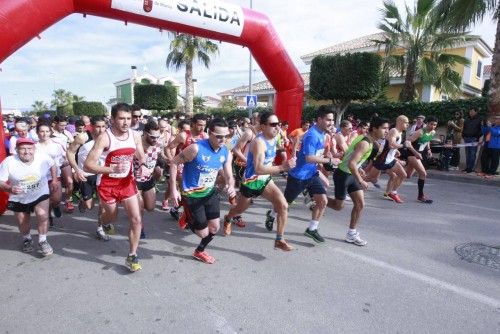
419	124
471	134
454	133
491	149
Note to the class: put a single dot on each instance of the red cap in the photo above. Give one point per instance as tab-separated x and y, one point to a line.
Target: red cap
22	141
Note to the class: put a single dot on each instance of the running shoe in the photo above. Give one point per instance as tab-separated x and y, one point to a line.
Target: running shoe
387	197
238	221
174	212
143	235
227	226
283	245
269	221
355	239
57	211
45	248
69	207
132	263
203	257
182	221
314	235
311	205
109	229
164	205
28	245
425	200
101	235
348	198
395	197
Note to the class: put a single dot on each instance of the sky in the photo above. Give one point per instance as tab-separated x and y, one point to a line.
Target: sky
87	55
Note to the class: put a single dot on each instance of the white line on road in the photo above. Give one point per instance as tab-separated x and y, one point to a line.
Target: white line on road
424	278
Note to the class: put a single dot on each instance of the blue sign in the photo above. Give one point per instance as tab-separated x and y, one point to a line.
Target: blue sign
251	101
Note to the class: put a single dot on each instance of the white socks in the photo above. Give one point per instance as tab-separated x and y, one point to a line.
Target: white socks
313	225
42	238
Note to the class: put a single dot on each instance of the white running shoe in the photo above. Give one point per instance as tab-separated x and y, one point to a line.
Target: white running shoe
355	239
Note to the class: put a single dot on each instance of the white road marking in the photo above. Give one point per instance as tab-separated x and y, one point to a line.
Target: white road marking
469	294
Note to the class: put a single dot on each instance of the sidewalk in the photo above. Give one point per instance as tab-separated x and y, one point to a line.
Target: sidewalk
458	176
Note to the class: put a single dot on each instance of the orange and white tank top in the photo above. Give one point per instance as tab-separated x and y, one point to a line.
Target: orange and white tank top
119	151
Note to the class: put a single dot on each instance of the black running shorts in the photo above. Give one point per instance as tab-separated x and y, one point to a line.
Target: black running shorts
201	210
344	182
295	186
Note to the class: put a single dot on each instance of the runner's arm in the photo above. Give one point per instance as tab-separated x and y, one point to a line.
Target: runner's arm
91	164
80	139
186	155
228	175
238	149
258	149
358	152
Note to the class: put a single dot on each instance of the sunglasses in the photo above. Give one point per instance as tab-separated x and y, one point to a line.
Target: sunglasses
273	125
221	136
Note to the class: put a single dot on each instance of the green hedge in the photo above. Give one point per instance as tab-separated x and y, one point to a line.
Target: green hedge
155	97
89	108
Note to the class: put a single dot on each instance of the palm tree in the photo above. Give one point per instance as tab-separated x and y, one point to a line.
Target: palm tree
184	49
60	98
39	107
423	37
465	13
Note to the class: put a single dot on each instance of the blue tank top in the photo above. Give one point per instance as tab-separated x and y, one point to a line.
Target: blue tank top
250	178
199	175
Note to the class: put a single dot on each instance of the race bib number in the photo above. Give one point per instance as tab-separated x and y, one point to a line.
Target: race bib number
208	179
30	183
120	175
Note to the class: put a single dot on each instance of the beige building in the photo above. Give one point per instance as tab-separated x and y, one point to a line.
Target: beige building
476	50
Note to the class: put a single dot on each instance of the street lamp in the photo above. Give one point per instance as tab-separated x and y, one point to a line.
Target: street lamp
250	90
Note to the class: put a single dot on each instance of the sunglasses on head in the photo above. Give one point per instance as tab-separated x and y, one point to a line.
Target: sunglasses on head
221	136
273	125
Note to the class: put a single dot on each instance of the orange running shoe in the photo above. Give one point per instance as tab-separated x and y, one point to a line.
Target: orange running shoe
283	245
238	221
183	221
69	207
203	257
395	197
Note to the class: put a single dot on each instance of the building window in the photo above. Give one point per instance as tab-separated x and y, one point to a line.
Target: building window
479	68
119	92
444	97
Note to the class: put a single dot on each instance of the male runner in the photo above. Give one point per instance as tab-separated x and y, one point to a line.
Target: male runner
117	147
146	184
202	161
257	178
349	177
24	177
76	154
305	175
183	140
421	140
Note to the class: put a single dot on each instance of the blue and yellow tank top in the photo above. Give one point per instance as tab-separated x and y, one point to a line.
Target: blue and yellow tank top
250	179
199	175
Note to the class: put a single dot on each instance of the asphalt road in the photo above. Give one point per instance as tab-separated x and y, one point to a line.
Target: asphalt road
426	269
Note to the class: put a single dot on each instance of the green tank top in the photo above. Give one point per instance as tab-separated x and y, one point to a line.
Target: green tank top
424	139
343	165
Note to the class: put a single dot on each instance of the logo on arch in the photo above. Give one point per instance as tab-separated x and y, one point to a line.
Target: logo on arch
147	5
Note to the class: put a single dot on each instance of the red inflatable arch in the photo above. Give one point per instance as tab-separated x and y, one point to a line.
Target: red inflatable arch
21	20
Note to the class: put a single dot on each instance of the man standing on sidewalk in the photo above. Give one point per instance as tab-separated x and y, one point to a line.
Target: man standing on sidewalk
471	134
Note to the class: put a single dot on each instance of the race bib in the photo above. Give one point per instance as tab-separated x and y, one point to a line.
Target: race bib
120	175
208	179
30	183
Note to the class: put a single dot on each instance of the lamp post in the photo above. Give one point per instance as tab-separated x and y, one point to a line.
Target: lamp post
132	82
250	90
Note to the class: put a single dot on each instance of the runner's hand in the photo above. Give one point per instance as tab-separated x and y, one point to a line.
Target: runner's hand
54	186
364	185
231	192
80	176
144	172
175	197
418	156
16	190
289	164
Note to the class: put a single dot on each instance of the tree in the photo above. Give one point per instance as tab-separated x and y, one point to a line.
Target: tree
228	104
465	13
184	50
40	107
344	78
155	97
63	101
89	108
198	103
422	35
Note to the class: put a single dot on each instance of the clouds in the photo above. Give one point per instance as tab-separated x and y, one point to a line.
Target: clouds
86	55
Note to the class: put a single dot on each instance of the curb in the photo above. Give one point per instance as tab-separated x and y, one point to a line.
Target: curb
469	179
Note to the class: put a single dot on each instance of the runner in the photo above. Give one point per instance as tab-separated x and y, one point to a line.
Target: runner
54	150
349	177
201	163
146	184
386	160
305	174
64	137
24	177
76	154
257	178
116	184
183	140
421	140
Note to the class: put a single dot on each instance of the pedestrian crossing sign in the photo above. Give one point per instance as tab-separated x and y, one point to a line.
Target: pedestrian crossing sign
251	101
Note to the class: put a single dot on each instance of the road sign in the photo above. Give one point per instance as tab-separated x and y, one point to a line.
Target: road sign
251	101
